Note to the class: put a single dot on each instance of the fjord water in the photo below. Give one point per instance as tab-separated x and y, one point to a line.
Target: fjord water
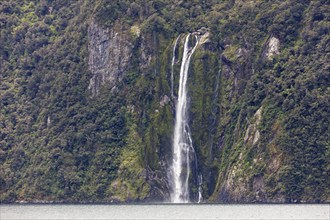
182	142
164	212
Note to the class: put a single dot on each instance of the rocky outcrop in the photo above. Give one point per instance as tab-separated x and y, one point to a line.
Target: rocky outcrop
254	175
110	52
242	183
271	48
252	133
165	99
146	52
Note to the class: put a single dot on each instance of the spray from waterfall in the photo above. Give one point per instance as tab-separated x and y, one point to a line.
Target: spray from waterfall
182	142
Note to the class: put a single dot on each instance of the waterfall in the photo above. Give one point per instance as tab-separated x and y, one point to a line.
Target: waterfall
182	142
172	66
200	181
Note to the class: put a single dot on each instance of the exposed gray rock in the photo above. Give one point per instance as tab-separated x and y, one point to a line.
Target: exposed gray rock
241	52
146	53
259	188
110	51
165	99
48	121
160	182
252	134
271	48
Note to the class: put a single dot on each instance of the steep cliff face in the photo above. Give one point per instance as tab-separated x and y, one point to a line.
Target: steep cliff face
248	178
87	105
110	52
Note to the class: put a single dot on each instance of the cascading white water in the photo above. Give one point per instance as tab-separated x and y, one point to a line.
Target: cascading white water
200	181
182	142
172	66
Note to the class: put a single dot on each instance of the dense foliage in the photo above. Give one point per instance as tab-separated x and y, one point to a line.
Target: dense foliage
58	142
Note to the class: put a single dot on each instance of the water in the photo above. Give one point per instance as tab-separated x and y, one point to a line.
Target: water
200	181
172	66
182	142
164	212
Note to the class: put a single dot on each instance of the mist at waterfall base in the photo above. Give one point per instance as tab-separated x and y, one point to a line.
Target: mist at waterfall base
182	142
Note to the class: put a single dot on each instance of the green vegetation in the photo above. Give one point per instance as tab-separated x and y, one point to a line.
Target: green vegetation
60	143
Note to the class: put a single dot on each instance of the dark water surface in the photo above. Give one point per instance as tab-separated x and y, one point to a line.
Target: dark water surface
165	211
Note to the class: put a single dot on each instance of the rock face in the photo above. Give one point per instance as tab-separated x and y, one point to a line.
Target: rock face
146	53
252	134
110	51
240	186
165	99
272	48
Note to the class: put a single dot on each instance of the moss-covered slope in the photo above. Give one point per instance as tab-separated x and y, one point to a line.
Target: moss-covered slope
86	112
